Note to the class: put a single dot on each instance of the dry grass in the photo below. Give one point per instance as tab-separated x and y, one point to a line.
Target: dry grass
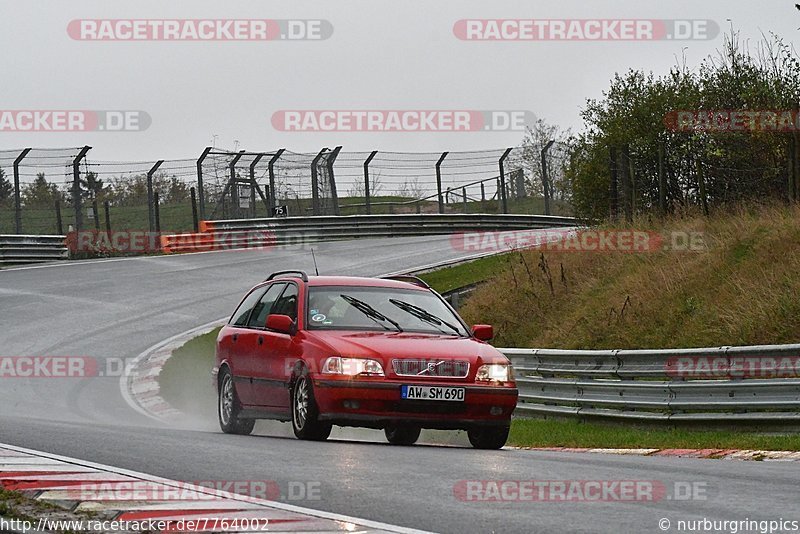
744	289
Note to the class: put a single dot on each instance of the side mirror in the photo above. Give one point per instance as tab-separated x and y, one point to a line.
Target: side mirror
483	332
280	323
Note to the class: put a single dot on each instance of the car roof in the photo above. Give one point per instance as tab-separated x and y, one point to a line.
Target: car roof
357	281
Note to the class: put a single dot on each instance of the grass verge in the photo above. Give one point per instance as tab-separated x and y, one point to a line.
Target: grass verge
558	433
185	379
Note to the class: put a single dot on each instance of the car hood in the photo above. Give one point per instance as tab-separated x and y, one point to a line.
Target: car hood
385	346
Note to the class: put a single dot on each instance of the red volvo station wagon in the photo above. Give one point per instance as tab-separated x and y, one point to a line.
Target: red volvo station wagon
385	353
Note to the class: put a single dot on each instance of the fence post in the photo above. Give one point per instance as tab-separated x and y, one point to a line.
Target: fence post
520	181
271	167
157	212
483	196
546	177
195	223
254	185
464	194
315	182
612	194
200	189
503	196
234	185
59	221
439	180
107	210
96	213
77	201
151	218
334	195
367	201
17	193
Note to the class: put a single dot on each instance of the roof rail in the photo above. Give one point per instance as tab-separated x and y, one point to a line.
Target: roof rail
408	278
303	275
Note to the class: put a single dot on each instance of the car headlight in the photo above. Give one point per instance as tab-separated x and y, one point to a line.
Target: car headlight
494	372
336	365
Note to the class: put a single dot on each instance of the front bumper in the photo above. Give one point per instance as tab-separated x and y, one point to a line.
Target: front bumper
375	404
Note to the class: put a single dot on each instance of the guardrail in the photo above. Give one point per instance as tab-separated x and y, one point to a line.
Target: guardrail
23	249
724	384
243	233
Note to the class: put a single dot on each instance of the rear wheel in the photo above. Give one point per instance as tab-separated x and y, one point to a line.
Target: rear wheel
305	413
489	437
402	434
229	408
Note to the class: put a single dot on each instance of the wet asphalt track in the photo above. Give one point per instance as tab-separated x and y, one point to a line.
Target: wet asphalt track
119	308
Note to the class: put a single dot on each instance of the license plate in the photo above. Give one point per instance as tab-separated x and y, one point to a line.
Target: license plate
433	393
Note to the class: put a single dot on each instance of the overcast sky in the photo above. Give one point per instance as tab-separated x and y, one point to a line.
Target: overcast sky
382	55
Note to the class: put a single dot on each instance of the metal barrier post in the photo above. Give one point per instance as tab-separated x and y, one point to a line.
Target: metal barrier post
151	218
334	196
195	222
439	181
234	186
315	182
254	185
107	209
17	195
503	195
272	201
77	201
200	189
367	199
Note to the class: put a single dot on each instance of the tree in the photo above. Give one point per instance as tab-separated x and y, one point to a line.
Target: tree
636	116
6	189
40	193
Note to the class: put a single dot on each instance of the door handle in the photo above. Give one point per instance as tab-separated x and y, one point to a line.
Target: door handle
235	337
260	340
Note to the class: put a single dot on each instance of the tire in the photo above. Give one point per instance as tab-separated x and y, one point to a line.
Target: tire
305	413
488	437
402	434
228	408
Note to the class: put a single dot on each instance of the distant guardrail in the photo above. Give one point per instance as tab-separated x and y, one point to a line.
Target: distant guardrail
724	384
24	249
243	233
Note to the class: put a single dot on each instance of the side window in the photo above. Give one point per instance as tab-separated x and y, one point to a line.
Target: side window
259	316
287	304
242	313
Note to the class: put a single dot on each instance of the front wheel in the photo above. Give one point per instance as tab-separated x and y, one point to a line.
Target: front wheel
305	413
402	434
229	408
489	437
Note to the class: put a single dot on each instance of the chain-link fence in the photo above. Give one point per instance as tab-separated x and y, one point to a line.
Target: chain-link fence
46	191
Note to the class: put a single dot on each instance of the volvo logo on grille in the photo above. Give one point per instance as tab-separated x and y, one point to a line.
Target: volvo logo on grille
431	367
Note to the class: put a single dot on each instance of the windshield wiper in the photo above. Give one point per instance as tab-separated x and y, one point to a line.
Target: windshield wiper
371	312
424	315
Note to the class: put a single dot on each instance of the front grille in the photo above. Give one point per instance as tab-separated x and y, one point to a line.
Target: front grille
433	368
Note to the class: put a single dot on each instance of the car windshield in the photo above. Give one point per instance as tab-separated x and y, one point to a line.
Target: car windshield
379	308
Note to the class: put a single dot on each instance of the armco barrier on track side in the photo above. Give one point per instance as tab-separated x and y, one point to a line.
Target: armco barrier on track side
23	249
244	233
724	384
